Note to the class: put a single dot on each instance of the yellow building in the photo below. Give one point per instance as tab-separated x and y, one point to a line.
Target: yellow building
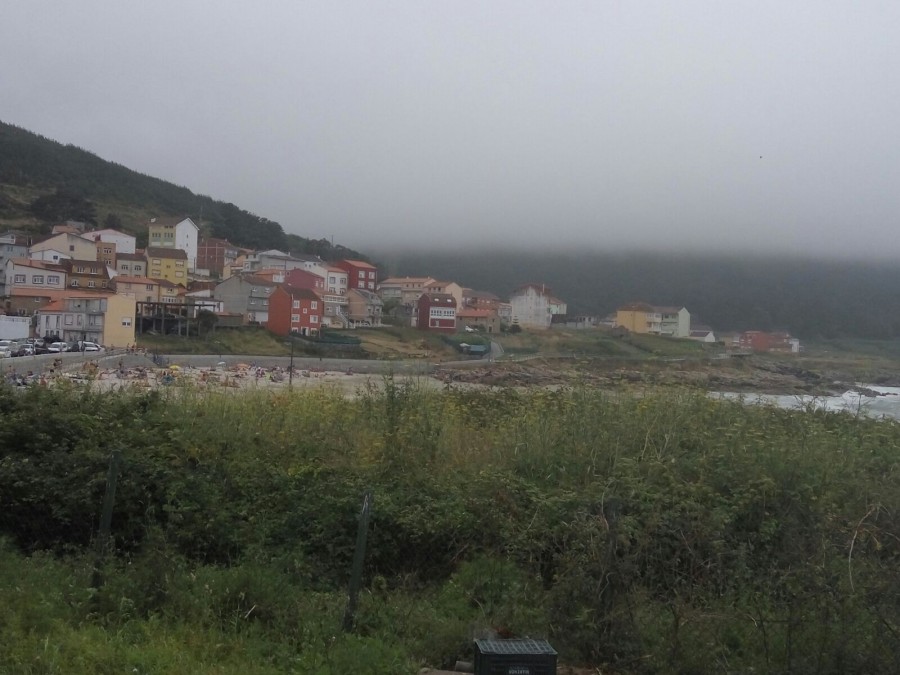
106	319
170	264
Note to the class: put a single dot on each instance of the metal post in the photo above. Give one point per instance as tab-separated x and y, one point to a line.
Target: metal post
109	499
291	371
358	556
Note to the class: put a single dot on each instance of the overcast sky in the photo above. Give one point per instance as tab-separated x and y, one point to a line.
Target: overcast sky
722	125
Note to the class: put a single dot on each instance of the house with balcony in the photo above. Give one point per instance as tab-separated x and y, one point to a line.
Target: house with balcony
364	308
436	312
246	295
294	310
107	319
177	233
403	290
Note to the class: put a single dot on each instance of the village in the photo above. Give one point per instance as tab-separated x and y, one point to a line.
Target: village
95	286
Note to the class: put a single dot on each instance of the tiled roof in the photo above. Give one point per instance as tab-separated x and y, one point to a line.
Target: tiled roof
38	264
162	252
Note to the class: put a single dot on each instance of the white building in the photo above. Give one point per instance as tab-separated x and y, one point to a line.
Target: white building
533	306
125	243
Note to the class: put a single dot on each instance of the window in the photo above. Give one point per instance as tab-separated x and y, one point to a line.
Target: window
156	261
37	279
343	281
124	268
71	247
314	304
314	319
20	279
103	284
179	274
80	269
295	318
332	280
126	320
305	311
371	285
179	263
74	283
138	268
362	275
295	304
53	279
68	320
91	284
149	287
371	275
107	251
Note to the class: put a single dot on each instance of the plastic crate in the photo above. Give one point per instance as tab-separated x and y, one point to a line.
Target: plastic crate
514	657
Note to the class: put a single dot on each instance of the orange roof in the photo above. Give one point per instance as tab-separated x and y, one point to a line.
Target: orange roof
359	263
475	313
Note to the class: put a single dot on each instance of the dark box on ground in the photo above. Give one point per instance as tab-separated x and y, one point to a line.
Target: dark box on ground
514	657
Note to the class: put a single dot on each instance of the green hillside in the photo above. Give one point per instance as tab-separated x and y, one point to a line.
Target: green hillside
43	182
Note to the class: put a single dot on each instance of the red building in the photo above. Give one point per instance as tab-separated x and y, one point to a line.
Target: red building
300	278
436	312
216	255
294	310
359	274
758	341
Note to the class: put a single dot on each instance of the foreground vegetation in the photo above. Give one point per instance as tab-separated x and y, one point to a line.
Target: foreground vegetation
647	531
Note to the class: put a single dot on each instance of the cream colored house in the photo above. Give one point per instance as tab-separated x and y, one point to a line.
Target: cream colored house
106	319
639	317
72	245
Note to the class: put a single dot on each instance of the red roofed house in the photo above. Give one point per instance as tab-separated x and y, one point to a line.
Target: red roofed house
300	278
758	341
436	312
294	310
359	274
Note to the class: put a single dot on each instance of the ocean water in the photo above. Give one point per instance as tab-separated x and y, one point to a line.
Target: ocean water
885	405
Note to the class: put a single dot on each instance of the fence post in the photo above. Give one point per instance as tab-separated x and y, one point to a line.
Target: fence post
358	555
109	500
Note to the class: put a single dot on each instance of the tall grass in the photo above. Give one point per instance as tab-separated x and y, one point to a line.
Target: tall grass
651	530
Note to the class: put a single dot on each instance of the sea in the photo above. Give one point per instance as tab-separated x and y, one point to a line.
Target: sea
884	405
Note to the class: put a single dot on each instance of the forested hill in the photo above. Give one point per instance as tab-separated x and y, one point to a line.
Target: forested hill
43	182
810	298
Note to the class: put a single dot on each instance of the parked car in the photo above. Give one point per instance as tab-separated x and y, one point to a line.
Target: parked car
85	346
24	349
6	348
57	347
